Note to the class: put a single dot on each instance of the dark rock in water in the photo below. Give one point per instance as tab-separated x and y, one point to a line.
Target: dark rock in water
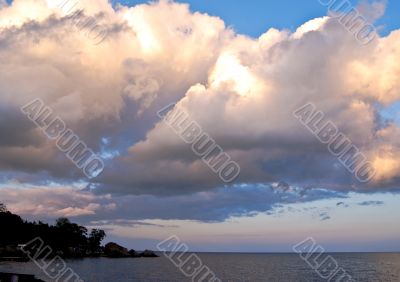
148	254
11	277
114	250
134	254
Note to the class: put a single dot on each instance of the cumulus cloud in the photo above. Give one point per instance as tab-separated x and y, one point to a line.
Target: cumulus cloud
97	90
241	90
247	104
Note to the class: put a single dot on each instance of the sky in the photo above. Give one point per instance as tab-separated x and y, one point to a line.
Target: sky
239	73
255	18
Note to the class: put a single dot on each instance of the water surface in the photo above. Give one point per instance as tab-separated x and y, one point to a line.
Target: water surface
228	267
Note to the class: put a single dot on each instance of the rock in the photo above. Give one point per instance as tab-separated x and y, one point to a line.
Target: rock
148	254
134	254
116	251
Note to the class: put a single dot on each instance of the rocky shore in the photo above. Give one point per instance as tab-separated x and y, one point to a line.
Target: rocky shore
111	250
114	250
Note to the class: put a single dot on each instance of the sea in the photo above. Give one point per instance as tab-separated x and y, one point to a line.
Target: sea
374	267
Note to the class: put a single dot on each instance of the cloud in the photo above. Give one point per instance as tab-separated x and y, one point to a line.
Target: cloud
324	216
342	204
241	90
98	92
371	203
3	3
211	206
53	202
126	223
247	107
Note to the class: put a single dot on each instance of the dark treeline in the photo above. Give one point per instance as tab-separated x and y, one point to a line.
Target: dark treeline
65	238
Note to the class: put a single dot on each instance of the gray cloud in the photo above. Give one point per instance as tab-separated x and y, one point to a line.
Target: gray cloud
212	206
371	203
126	223
217	205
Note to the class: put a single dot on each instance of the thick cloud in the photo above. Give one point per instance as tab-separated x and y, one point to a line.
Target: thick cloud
100	91
241	90
247	104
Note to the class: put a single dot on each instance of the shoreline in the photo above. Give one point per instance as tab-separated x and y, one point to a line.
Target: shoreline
7	276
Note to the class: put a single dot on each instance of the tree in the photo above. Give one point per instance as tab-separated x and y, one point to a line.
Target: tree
62	222
65	237
3	208
71	236
95	238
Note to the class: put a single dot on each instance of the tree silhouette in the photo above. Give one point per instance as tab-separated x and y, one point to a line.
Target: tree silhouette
95	238
3	207
65	237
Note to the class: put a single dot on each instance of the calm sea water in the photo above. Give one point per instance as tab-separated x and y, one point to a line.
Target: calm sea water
228	267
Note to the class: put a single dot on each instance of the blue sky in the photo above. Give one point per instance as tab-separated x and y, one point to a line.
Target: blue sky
256	16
